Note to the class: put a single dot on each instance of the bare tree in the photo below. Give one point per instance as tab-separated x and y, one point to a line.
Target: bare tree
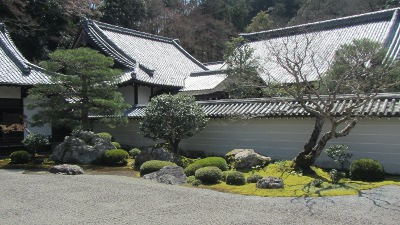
359	69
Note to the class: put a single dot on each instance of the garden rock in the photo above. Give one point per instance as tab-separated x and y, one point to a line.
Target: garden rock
168	175
270	183
247	158
66	169
152	153
81	147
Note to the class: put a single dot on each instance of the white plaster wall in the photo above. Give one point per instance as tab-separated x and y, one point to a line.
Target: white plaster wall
10	92
45	129
378	139
128	92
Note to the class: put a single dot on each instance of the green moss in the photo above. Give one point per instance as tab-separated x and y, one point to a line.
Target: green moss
297	185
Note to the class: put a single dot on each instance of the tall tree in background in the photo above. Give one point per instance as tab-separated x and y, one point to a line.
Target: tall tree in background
242	70
125	13
88	86
260	22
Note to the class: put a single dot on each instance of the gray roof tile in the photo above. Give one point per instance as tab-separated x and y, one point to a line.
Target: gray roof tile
326	37
162	61
14	68
384	105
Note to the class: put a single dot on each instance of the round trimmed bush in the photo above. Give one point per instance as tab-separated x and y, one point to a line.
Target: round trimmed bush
20	157
116	157
254	178
209	174
197	182
134	152
224	174
116	145
153	166
235	178
105	136
210	161
367	170
190	179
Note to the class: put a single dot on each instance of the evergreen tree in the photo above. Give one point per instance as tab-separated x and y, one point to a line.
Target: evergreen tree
88	87
259	23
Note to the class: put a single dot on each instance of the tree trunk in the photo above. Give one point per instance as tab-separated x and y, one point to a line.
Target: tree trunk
175	146
311	150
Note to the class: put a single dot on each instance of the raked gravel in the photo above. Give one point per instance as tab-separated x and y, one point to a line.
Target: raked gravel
103	199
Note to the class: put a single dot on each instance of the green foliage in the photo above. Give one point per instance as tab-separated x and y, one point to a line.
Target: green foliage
336	176
360	68
106	136
20	157
235	178
197	182
224	174
35	142
116	144
254	178
242	70
125	13
134	152
88	86
339	153
367	170
116	157
190	179
153	166
172	118
260	22
210	161
209	174
317	183
183	161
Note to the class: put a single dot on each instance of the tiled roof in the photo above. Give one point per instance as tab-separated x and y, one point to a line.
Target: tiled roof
326	37
14	68
161	60
220	65
208	80
384	105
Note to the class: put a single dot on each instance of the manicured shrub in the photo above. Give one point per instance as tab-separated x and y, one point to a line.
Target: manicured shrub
116	157
105	136
209	174
235	178
190	179
183	161
153	166
35	142
340	154
254	178
336	176
367	170
134	152
224	174
116	145
210	161
20	157
197	182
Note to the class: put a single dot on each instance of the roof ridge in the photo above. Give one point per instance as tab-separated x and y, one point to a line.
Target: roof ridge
320	25
147	36
208	72
12	50
131	31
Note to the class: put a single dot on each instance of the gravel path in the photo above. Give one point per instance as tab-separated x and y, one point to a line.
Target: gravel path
104	199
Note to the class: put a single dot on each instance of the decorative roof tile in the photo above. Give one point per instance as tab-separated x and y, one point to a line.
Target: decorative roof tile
160	60
325	37
14	68
383	105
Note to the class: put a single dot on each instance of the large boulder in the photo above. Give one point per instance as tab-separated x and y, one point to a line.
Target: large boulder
168	175
81	147
152	153
246	158
66	169
270	183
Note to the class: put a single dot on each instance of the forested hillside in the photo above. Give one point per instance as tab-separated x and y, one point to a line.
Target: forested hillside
202	26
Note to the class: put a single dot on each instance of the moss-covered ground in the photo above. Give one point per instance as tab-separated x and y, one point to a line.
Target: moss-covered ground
297	184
